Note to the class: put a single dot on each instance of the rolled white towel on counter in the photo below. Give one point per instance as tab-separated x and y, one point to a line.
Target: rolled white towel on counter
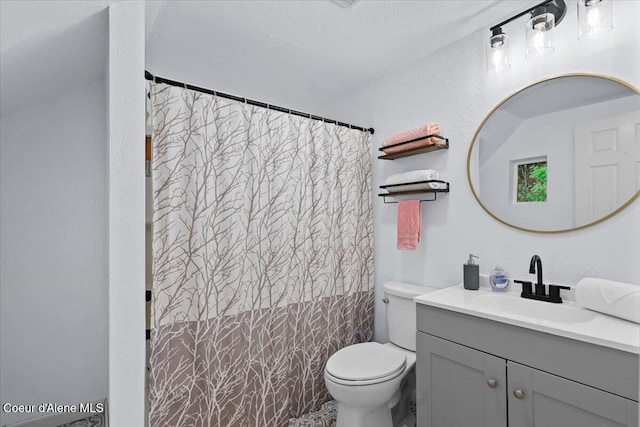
613	298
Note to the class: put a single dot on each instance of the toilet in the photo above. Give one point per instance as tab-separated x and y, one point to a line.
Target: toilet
366	378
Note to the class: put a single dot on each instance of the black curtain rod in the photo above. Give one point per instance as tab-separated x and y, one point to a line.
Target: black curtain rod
151	77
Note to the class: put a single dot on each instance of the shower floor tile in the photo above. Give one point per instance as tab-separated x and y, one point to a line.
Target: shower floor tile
324	417
93	421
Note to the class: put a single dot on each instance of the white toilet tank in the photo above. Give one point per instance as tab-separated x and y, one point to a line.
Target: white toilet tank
401	312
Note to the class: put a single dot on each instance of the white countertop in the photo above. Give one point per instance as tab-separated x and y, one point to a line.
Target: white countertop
599	329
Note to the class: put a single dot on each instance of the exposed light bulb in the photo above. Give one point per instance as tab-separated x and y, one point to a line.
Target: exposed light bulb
498	58
538	35
497	52
594	18
538	41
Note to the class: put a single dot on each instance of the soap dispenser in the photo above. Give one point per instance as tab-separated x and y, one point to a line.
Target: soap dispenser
471	276
499	279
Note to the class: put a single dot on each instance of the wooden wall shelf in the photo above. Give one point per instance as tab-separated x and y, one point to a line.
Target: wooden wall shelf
413	152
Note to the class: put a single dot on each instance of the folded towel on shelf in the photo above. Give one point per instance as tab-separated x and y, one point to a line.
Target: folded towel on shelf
613	298
409	220
411	180
412	176
423	131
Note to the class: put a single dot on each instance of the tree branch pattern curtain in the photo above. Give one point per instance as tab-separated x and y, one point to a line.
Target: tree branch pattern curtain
262	259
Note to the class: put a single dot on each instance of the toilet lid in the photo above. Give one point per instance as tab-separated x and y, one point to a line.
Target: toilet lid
366	361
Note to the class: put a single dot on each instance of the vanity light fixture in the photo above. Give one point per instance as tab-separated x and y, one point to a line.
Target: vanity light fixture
538	33
594	18
544	17
498	52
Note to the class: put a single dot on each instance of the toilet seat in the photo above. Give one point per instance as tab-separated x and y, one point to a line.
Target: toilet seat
364	364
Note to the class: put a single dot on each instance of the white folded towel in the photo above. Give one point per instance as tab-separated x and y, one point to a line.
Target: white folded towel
412	176
613	298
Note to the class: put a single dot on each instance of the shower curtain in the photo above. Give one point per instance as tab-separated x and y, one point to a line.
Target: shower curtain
262	259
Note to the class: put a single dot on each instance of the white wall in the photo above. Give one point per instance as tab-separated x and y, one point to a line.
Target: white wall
53	218
53	63
126	215
72	218
453	88
53	237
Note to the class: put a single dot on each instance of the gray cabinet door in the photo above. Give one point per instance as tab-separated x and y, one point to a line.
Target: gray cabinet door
550	401
458	386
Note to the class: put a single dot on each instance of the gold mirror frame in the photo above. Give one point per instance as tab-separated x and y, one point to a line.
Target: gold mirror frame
475	136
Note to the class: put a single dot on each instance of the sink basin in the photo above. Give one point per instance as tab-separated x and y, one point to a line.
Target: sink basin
532	309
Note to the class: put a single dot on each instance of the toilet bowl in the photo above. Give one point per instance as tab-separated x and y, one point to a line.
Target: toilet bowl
366	381
366	378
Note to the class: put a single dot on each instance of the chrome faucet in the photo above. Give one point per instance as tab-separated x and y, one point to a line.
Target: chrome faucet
540	294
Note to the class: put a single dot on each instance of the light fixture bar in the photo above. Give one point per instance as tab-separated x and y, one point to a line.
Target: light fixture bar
557	7
543	18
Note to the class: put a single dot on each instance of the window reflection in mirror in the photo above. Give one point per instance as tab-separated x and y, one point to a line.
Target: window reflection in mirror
531	181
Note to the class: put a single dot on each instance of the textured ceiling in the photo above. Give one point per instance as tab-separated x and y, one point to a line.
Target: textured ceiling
306	52
298	53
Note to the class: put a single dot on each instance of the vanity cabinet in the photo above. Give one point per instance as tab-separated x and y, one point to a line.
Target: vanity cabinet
549	400
475	372
459	386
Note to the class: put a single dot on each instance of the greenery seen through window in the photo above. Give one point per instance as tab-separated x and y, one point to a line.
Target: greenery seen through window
532	182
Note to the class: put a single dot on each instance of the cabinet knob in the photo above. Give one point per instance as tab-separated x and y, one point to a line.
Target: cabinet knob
385	300
491	382
519	394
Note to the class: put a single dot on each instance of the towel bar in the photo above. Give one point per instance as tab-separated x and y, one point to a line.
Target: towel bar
433	191
384	198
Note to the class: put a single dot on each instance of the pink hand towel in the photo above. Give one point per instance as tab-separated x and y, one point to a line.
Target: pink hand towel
409	219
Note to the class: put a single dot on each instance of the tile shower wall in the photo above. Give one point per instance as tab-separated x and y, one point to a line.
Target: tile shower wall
453	88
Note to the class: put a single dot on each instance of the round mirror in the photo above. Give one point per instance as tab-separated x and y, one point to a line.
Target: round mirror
559	155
